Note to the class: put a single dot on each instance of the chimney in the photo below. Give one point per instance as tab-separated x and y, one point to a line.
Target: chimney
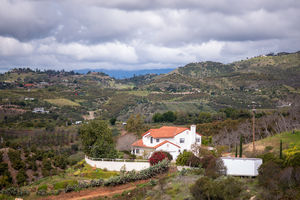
193	134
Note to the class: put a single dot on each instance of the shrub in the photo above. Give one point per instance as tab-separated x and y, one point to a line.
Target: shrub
21	177
156	157
220	189
43	187
42	193
14	191
215	168
97	183
183	158
161	167
187	158
63	184
206	160
169	156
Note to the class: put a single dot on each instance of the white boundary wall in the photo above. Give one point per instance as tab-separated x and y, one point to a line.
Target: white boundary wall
117	165
242	166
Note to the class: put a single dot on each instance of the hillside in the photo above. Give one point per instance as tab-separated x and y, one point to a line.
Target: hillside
271	81
289	140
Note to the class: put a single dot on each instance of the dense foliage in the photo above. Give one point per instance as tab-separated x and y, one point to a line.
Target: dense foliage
187	158
223	188
97	139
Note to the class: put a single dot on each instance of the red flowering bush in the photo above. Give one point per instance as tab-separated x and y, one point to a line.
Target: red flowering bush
156	157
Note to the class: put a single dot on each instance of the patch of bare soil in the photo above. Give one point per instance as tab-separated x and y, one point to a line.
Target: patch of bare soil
96	192
90	116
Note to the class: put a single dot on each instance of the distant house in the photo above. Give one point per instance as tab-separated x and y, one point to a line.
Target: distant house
78	122
167	138
40	110
29	99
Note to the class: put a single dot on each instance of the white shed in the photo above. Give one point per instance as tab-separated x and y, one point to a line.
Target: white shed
242	166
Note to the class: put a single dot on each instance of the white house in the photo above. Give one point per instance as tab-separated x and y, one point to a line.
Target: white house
167	138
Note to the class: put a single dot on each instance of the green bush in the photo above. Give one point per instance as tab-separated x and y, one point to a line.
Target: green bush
6	197
14	191
43	187
223	188
159	168
21	177
63	184
187	158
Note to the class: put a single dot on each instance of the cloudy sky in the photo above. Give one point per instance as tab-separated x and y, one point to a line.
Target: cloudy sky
143	34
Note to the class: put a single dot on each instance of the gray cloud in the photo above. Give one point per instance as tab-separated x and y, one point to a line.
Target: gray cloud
131	34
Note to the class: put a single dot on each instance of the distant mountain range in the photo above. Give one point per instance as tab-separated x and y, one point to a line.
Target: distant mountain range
121	74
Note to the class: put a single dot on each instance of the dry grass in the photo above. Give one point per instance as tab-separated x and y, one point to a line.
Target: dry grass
62	102
288	140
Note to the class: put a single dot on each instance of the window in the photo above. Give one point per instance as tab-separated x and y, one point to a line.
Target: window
157	140
181	140
151	140
197	140
137	150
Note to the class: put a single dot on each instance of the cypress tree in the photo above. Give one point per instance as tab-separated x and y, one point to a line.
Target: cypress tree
280	151
241	146
236	150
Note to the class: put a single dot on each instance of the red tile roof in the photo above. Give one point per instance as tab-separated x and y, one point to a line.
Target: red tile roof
164	142
166	132
139	143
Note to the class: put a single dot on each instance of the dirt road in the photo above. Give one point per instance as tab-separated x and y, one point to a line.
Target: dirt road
96	192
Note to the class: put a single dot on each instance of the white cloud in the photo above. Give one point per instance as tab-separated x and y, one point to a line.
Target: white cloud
12	47
143	34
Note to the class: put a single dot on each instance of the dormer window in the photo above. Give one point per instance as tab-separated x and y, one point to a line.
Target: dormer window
181	140
151	140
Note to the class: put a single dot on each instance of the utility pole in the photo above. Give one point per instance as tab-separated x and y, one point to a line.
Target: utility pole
253	126
253	105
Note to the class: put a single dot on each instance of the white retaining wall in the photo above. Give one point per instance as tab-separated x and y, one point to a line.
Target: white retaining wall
117	165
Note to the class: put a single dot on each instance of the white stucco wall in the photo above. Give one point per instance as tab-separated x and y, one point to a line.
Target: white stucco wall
116	166
242	166
172	149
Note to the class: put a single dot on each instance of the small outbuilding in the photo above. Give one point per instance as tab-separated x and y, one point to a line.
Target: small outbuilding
242	166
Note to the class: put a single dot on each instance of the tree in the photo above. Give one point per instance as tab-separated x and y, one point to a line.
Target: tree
169	116
241	146
204	117
135	124
157	117
97	139
113	121
280	150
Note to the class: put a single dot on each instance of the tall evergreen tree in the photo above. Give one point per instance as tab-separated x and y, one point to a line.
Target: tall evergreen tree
241	146
280	150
